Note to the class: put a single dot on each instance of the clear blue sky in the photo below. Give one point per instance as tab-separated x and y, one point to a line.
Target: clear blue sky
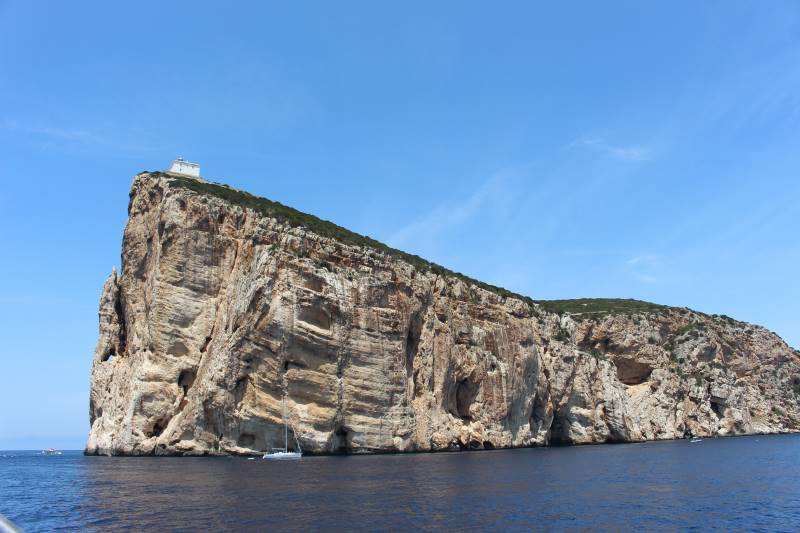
599	150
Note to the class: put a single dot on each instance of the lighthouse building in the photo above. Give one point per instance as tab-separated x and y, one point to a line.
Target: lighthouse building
185	168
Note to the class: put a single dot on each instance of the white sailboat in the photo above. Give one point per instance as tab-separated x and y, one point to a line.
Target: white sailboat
284	453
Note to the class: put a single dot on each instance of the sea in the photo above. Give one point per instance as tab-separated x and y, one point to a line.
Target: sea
742	483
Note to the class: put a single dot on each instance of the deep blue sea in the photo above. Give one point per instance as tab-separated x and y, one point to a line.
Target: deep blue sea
728	484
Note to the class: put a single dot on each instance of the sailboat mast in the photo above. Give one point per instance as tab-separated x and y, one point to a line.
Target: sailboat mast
285	428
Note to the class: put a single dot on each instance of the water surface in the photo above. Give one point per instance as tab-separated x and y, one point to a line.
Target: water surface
736	483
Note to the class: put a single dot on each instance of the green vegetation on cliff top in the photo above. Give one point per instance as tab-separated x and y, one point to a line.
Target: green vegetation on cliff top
600	306
324	228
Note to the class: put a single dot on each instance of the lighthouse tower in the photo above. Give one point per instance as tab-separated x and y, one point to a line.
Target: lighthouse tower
184	168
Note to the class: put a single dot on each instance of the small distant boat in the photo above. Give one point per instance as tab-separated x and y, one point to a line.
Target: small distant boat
284	453
279	453
695	439
51	451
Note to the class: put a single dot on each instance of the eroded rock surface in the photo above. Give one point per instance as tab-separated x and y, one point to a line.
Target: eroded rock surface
220	312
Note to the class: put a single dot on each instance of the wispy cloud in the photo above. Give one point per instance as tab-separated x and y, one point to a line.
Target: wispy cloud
644	267
624	153
449	214
61	137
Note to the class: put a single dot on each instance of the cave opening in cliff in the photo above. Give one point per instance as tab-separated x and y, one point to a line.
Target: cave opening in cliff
718	408
240	388
538	419
158	428
466	391
632	372
412	344
122	336
186	379
342	440
559	430
246	440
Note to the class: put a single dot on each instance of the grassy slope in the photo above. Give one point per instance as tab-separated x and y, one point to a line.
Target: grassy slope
293	217
600	306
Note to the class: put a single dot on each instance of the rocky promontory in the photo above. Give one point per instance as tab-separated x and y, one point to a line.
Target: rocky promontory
228	307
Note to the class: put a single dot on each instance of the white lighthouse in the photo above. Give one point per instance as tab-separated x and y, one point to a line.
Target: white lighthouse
185	168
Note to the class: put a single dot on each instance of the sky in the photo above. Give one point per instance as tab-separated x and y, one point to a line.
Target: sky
586	150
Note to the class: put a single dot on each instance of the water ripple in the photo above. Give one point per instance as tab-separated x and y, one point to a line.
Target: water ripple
731	484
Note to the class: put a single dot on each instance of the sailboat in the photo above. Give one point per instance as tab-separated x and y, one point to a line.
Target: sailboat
284	453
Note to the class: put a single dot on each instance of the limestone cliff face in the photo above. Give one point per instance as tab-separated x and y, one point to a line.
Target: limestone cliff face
222	313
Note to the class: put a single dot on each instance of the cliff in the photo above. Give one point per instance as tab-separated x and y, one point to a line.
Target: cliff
227	306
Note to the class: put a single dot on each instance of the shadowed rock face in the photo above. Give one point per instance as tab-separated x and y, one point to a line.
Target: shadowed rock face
631	371
221	312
